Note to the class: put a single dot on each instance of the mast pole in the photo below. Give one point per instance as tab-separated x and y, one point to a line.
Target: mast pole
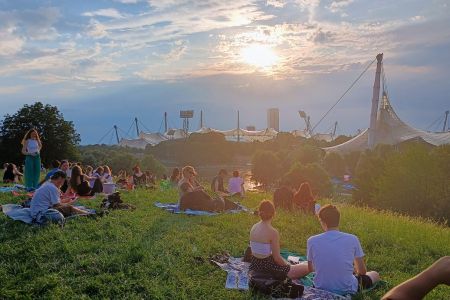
165	122
375	101
445	121
334	129
201	119
137	127
117	134
238	127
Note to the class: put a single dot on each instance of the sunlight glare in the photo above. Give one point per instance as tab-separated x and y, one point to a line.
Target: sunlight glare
260	56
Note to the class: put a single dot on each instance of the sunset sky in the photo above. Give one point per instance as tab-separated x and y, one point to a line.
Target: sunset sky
105	62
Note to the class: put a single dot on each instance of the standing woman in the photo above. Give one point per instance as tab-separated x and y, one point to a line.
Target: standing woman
31	148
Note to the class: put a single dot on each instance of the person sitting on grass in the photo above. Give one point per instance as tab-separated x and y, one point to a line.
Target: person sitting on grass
47	205
236	185
55	167
217	185
304	199
334	255
283	197
65	168
265	247
11	174
175	177
122	179
107	175
139	177
418	287
193	195
79	183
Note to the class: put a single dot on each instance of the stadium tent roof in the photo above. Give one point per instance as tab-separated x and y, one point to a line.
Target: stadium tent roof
390	130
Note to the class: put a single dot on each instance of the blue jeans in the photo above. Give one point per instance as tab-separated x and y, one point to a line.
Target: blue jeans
50	215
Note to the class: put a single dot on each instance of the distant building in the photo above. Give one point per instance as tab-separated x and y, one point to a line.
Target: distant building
251	128
273	118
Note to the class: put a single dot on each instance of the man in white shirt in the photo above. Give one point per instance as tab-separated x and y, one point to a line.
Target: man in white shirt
46	204
334	255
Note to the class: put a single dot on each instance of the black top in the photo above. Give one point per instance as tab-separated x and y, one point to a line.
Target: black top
220	187
9	176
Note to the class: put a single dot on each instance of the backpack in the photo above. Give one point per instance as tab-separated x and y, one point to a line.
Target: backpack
115	202
273	285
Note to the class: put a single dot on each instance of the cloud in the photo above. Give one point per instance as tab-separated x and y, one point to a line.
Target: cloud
276	3
339	5
105	12
10	42
178	49
8	90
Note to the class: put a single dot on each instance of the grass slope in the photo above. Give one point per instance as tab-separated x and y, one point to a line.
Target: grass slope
149	253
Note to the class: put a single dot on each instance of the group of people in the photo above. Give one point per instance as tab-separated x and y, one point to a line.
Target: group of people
192	195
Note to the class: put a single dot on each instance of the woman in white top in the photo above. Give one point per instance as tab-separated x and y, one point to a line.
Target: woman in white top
236	185
31	148
265	246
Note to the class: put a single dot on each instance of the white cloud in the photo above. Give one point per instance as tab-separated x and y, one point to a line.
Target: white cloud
9	90
275	3
10	42
105	12
339	5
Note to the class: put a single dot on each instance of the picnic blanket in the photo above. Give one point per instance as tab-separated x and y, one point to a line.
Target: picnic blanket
174	208
237	278
15	188
18	213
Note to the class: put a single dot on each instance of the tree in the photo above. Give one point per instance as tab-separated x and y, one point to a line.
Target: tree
265	168
312	173
150	163
59	138
334	164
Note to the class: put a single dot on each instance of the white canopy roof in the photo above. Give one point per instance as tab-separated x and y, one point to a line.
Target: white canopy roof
390	130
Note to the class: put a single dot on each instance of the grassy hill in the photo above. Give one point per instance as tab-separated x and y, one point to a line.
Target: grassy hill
149	253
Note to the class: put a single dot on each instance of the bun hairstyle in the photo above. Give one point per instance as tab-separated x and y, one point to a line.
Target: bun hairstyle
266	210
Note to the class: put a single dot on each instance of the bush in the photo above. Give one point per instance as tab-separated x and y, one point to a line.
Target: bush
334	164
306	154
312	173
416	182
265	168
150	163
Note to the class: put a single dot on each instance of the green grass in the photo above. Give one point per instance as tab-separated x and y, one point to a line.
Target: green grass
149	253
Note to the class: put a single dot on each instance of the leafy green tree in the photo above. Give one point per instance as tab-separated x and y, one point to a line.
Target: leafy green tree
150	163
265	167
59	138
416	182
306	154
121	161
334	164
312	173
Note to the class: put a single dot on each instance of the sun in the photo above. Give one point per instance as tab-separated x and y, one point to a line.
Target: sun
260	56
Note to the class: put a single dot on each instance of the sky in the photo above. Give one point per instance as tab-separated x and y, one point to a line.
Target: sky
105	62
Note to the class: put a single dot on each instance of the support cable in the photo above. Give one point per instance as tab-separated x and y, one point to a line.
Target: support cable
340	98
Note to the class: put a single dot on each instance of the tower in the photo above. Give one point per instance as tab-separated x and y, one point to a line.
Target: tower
273	118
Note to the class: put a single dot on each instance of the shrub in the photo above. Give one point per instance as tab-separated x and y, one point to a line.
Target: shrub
150	163
306	154
415	182
265	167
334	164
312	173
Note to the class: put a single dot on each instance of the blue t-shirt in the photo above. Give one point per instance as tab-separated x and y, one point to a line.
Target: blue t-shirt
44	198
332	254
50	173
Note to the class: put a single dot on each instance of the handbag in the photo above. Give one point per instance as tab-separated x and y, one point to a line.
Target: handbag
273	285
